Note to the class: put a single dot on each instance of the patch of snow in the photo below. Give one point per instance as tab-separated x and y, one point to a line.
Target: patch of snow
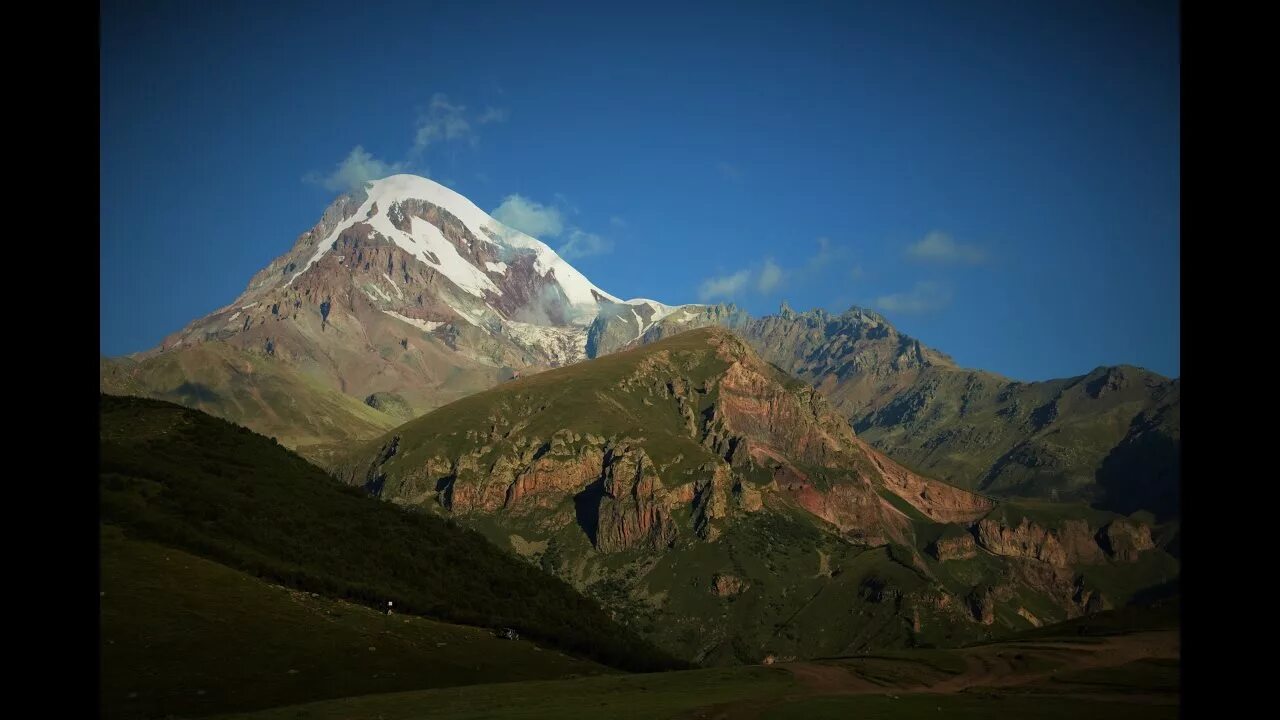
246	307
563	345
394	286
423	236
427	325
498	267
234	316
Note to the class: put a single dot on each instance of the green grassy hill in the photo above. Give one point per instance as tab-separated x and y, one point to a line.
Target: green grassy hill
177	477
182	635
1113	678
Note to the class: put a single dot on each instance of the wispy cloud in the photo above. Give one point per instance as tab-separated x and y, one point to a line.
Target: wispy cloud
725	286
584	244
358	168
493	115
443	121
617	221
924	297
729	171
942	248
529	217
769	275
549	221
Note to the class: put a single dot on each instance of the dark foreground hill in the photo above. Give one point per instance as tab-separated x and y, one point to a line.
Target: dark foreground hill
185	636
177	477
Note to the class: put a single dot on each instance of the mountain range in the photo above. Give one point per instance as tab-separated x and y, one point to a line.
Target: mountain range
406	296
730	488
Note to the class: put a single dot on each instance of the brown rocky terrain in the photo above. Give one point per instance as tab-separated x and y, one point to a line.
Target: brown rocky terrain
648	471
746	415
1110	437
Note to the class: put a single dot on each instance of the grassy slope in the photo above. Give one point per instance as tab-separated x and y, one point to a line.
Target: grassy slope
186	636
965	706
582	397
249	389
664	695
1044	679
182	478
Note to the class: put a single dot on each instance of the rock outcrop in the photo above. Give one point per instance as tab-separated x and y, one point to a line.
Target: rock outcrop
724	585
1126	540
1069	544
634	510
957	547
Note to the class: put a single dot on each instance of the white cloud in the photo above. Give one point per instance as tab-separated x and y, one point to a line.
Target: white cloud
825	255
940	247
584	244
358	168
548	221
770	276
443	121
726	286
529	217
492	115
924	297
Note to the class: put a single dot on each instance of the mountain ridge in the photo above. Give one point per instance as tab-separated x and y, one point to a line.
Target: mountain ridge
406	296
689	478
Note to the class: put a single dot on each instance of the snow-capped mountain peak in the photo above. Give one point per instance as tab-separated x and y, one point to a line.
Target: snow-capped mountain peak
389	207
407	257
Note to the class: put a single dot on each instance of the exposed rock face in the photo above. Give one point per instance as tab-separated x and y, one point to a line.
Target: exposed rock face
728	585
939	501
1029	617
1070	544
960	547
1126	540
673	462
972	428
634	511
982	605
745	415
546	482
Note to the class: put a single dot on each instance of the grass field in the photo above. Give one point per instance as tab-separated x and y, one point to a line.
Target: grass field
969	706
183	479
185	636
1132	676
657	695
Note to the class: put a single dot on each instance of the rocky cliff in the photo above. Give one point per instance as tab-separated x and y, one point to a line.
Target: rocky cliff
1110	437
648	476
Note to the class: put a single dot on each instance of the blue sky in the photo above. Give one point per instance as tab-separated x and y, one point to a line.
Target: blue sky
1001	179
